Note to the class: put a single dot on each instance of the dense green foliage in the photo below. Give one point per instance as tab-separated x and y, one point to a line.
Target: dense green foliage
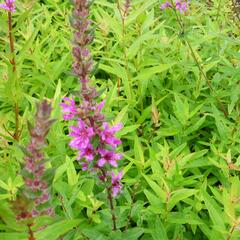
176	90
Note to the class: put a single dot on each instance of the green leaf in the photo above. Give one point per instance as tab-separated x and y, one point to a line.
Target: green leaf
14	236
56	230
214	210
4	185
184	218
71	172
121	116
196	126
154	201
159	232
133	233
149	72
179	195
138	151
157	189
121	73
127	129
93	234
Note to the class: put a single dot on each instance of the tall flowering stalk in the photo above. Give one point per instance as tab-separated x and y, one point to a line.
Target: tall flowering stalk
92	137
35	197
10	7
182	6
37	187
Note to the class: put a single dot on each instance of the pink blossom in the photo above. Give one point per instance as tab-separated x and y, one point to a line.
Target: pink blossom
35	213
42	199
69	108
165	5
48	211
107	134
116	186
9	5
87	153
82	135
181	6
108	157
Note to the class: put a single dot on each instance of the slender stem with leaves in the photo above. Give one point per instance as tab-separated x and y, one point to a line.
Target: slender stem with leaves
17	132
123	11
187	42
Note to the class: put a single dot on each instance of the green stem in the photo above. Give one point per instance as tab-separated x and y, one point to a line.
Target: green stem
123	17
180	22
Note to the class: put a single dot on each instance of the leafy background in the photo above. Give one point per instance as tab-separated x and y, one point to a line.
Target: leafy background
181	153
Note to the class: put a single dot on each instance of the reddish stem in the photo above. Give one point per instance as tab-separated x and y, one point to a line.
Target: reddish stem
30	232
110	198
13	62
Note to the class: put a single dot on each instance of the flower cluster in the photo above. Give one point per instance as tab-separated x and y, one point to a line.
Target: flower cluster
9	5
36	187
92	137
180	5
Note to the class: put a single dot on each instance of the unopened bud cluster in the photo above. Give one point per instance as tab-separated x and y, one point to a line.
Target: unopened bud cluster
36	188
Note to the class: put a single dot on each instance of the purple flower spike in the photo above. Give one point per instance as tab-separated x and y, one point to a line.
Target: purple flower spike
166	5
108	157
37	187
116	186
9	5
92	136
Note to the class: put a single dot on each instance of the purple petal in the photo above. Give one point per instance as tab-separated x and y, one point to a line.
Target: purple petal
105	126
116	128
113	163
101	105
101	162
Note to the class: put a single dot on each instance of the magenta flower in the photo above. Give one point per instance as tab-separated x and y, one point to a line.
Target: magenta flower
84	166
82	135
181	6
165	5
87	153
116	186
109	157
9	5
107	135
68	108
